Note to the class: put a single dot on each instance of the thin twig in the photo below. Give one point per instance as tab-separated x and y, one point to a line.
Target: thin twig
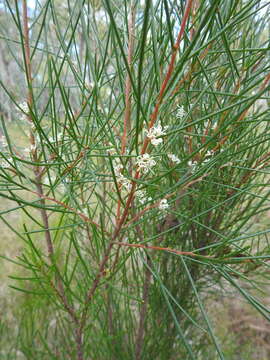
141	246
131	36
137	175
38	175
143	310
241	117
127	114
83	216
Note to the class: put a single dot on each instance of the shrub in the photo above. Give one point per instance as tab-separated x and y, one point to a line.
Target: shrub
146	166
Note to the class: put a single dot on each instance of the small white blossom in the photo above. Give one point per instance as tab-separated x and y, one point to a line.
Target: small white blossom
142	196
111	150
25	110
180	112
53	139
24	107
163	205
3	142
124	182
47	181
121	179
145	162
85	211
174	158
91	84
193	165
210	153
155	132
117	169
33	147
5	164
156	142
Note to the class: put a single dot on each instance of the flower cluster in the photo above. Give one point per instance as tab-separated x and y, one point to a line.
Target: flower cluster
111	149
5	164
209	153
154	134
121	179
163	205
25	110
53	139
174	158
145	162
180	112
142	196
194	163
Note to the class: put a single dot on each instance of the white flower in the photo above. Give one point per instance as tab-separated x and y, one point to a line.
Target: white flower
111	150
124	182
155	132
156	142
121	179
5	163
193	165
47	181
25	110
53	139
210	153
163	205
174	158
33	147
180	112
85	211
117	169
24	107
3	141
145	162
142	196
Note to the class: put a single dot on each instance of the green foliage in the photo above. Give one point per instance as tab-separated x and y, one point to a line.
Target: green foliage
121	252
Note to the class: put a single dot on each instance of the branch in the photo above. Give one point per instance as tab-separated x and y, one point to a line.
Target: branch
38	174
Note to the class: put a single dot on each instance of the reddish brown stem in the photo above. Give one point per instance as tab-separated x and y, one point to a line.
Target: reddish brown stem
83	216
171	65
141	246
131	29
27	49
137	175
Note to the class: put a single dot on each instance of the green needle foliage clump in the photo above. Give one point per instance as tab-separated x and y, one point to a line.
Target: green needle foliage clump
141	168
